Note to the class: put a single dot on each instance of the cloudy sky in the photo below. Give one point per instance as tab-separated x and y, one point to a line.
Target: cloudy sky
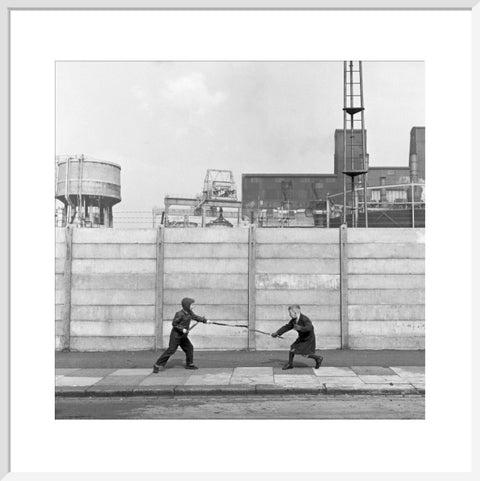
165	123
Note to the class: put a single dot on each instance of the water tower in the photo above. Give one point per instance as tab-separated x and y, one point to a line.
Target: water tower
88	189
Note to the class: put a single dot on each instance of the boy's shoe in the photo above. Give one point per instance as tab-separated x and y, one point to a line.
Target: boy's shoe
318	362
157	369
191	366
287	366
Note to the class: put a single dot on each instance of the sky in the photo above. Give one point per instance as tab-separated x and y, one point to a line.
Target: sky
166	123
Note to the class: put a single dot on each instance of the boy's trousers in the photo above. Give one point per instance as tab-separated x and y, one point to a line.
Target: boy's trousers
177	340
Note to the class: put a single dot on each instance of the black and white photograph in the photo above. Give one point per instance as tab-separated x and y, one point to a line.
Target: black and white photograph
240	240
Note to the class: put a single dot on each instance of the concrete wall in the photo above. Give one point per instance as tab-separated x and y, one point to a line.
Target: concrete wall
119	289
210	265
297	266
386	288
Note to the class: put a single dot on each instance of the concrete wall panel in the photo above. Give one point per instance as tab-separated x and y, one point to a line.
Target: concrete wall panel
297	281
297	266
212	250
107	266
206	296
314	312
387	342
114	236
386	266
113	297
112	328
386	235
283	297
387	328
386	313
114	251
206	265
386	251
386	296
211	311
114	281
113	313
235	235
386	281
297	251
298	235
114	343
206	281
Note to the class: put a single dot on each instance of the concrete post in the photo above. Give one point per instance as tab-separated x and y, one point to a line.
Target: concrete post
343	287
67	286
413	204
251	287
159	272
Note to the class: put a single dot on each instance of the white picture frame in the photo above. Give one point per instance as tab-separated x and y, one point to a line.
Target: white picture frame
9	6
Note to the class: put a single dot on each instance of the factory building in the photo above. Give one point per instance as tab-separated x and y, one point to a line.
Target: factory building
293	192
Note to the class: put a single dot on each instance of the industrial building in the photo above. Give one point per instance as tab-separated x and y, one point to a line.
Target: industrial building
296	197
217	202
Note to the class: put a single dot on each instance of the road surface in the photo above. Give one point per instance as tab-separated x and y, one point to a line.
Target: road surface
244	407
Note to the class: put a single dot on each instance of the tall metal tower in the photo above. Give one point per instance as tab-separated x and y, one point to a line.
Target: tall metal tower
354	139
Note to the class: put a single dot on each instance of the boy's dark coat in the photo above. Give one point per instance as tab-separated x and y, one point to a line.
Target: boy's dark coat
305	343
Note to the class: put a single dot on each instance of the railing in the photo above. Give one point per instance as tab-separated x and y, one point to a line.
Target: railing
414	200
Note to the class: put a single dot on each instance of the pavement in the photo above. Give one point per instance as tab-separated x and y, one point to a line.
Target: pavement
80	374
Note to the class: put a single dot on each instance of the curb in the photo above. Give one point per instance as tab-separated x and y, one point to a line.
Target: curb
232	390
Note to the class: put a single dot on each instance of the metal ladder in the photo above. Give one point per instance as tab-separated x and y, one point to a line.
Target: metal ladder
354	130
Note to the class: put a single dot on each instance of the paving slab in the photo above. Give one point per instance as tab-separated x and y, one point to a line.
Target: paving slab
409	371
259	379
417	379
95	372
384	379
248	371
293	380
132	372
340	380
372	370
120	381
174	372
252	375
155	380
334	371
212	379
212	370
298	371
76	381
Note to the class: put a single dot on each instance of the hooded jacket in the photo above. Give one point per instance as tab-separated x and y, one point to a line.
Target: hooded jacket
182	318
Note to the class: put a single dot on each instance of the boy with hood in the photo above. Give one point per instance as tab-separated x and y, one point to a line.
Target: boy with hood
179	336
305	342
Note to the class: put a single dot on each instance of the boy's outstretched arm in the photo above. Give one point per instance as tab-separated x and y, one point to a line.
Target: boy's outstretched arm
287	327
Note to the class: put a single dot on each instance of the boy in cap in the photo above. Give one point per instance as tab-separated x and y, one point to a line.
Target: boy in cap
179	336
305	342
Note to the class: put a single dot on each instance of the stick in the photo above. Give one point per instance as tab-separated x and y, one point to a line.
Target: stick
244	326
192	327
